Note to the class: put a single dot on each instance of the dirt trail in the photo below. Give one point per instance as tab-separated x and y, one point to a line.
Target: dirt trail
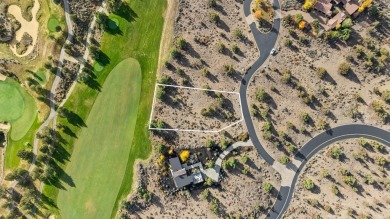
30	27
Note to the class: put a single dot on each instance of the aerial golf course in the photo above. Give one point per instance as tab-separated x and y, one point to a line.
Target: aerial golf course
111	132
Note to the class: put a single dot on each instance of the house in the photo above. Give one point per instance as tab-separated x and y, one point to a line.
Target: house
337	19
350	6
324	6
180	176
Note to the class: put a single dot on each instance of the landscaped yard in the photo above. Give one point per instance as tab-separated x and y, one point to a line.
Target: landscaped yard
102	149
141	28
18	108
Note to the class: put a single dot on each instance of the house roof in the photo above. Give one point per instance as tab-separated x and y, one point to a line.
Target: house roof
324	6
175	164
197	177
351	7
337	19
183	180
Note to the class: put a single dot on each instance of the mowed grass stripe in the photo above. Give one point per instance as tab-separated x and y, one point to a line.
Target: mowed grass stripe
140	38
102	149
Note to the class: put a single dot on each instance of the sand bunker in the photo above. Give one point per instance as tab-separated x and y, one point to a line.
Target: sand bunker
29	27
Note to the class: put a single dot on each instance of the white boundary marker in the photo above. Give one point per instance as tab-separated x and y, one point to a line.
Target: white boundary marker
193	130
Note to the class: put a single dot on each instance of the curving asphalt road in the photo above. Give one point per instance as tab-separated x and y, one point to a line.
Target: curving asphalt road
265	42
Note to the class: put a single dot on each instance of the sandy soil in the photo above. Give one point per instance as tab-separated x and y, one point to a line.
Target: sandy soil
238	194
29	27
334	96
192	22
2	77
372	200
182	109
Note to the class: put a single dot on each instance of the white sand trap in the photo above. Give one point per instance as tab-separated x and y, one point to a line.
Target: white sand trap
5	127
26	27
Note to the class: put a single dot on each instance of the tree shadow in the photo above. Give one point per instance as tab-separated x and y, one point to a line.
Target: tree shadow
126	12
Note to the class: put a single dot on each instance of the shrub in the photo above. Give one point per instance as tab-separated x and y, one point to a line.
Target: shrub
298	18
261	95
344	69
335	190
208	182
347	23
238	33
205	194
336	152
305	117
214	206
205	72
386	96
212	3
350	180
228	69
321	72
175	53
267	127
181	43
267	187
214	17
224	144
380	161
244	158
162	149
161	94
284	160
235	48
308	184
184	155
302	25
286	77
221	47
209	143
322	124
288	42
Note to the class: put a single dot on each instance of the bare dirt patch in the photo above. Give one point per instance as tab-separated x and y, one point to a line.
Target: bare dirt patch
190	109
331	196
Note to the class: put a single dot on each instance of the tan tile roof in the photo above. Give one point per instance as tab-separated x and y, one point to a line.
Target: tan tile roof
337	19
324	6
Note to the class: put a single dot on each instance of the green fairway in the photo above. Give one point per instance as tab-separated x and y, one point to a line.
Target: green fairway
18	108
102	149
139	35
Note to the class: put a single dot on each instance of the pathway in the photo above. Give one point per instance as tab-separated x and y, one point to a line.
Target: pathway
214	172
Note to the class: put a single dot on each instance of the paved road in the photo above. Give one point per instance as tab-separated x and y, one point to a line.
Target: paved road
265	42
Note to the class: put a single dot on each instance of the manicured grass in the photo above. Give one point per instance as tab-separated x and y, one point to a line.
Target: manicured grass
18	108
52	24
11	102
139	37
100	155
41	76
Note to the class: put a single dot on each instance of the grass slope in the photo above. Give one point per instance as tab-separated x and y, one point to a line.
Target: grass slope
140	33
101	153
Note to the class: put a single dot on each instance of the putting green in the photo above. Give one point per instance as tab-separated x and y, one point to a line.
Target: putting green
52	24
16	107
101	152
11	102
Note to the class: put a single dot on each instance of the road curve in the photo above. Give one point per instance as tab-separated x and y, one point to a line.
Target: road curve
315	145
265	42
